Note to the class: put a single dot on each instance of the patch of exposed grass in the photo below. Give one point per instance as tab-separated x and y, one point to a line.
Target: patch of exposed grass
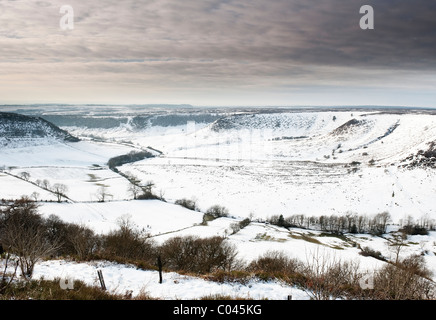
335	235
93	177
347	241
267	237
337	247
304	237
218	296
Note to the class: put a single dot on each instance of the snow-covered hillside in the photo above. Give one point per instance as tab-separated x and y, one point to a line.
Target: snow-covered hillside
18	130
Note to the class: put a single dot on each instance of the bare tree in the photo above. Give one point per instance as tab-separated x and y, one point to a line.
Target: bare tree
45	184
134	187
23	233
134	190
396	244
25	175
161	194
59	190
35	195
102	193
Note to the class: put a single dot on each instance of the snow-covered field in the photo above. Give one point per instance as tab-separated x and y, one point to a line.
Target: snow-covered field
263	189
121	279
156	217
256	165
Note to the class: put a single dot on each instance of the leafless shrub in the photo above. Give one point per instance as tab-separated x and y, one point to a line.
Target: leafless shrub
218	211
128	242
275	263
83	240
75	240
327	277
190	204
237	226
198	255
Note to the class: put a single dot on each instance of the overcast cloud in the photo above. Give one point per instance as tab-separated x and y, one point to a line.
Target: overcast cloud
285	52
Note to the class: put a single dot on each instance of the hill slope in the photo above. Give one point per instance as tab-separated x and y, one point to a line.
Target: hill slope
17	129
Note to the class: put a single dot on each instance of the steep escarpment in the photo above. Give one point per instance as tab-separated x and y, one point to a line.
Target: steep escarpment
17	129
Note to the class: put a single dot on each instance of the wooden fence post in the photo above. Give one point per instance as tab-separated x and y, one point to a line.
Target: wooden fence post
159	265
100	277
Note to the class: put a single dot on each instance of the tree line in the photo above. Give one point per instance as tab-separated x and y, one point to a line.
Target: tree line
352	223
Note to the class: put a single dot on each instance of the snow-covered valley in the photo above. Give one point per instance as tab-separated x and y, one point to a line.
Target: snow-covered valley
257	164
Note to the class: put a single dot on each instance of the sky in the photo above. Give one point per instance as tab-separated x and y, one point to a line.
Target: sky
218	52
